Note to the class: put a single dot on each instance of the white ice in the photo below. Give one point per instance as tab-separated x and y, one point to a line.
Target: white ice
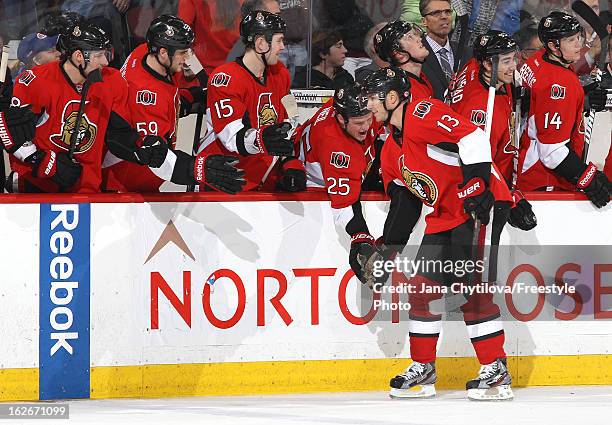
535	405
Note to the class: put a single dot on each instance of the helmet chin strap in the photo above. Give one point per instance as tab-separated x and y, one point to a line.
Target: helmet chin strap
79	67
166	67
560	57
410	59
391	111
343	126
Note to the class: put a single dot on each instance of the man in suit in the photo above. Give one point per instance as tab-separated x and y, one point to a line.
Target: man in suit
438	66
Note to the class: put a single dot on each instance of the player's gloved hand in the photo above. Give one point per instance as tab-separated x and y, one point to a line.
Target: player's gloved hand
595	185
521	215
595	97
152	152
17	126
219	172
274	140
477	199
294	176
56	166
362	248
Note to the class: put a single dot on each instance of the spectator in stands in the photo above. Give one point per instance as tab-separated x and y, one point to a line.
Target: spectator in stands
37	49
295	55
110	16
368	46
590	52
216	26
248	6
17	18
327	57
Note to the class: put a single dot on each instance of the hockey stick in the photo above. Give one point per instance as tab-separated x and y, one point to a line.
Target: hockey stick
196	137
293	117
3	67
488	125
585	12
516	137
94	76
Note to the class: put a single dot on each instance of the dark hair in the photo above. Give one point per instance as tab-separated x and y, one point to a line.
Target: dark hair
527	32
321	42
424	3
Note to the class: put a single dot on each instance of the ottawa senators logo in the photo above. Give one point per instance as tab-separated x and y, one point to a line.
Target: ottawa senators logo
266	112
478	117
420	184
26	78
340	160
87	131
370	153
146	97
557	92
422	109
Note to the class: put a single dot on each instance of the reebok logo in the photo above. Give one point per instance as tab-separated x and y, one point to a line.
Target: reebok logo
199	169
587	177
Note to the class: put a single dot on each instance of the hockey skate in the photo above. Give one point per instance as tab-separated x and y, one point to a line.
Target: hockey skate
416	382
493	383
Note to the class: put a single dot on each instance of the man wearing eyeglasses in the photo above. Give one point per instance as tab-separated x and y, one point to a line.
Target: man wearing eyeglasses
438	67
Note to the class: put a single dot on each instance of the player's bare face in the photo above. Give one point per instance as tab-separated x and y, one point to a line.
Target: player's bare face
412	43
178	60
277	46
507	65
97	60
358	127
570	47
337	55
46	56
377	108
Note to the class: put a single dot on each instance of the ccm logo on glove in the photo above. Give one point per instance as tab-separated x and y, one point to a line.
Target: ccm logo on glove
476	188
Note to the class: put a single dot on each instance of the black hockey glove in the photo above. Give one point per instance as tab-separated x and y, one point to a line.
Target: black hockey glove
294	176
152	152
362	249
219	172
17	126
521	215
274	140
595	185
477	199
595	97
56	166
5	102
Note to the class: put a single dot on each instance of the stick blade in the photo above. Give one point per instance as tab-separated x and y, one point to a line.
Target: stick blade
290	105
585	12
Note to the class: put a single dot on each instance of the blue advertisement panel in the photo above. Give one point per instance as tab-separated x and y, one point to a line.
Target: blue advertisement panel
64	349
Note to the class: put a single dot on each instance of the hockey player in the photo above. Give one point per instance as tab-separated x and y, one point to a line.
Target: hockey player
54	92
244	105
154	102
400	44
337	147
445	164
469	98
552	146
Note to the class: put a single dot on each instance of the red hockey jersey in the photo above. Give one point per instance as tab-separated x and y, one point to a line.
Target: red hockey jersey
433	174
154	107
49	91
469	98
334	160
555	122
420	89
237	99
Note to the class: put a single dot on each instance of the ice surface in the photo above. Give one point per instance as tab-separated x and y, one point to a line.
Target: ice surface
534	405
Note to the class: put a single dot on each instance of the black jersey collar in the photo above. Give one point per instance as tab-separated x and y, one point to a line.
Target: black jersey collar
240	62
154	73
